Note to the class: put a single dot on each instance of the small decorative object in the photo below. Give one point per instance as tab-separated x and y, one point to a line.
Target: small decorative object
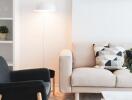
128	59
3	32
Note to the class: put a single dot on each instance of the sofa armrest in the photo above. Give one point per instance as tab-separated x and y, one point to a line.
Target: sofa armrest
65	64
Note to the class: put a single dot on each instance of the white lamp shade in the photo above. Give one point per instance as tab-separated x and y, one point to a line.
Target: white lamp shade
45	7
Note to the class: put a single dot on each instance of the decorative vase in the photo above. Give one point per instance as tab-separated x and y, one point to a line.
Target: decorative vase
3	36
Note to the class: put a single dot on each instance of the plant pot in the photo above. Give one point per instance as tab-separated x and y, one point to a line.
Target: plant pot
3	36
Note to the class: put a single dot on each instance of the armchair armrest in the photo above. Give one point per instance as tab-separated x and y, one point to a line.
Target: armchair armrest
65	64
23	90
31	74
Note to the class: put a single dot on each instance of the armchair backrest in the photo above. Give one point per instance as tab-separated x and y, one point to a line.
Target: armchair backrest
4	71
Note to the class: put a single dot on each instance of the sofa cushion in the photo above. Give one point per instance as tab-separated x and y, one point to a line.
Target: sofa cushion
124	78
124	45
93	77
83	55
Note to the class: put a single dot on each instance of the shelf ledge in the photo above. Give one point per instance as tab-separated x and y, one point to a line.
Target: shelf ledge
10	64
4	18
6	41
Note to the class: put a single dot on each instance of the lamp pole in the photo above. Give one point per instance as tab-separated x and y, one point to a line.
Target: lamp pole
44	7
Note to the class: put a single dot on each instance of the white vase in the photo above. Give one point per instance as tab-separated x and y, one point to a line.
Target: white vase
3	36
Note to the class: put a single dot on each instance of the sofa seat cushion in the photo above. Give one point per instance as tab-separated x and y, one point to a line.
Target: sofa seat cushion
93	77
124	78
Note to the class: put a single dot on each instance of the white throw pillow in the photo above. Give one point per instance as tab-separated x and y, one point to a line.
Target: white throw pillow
110	57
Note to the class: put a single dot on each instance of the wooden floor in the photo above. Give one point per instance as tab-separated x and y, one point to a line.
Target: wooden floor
61	96
71	97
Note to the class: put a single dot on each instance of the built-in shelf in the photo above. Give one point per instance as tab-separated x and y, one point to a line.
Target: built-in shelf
6	42
6	18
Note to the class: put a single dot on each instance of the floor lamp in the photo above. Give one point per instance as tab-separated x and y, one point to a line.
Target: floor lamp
45	7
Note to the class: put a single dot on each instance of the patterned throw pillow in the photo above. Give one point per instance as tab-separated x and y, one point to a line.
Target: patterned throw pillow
110	57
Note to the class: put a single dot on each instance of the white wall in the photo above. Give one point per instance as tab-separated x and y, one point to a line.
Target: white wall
29	40
102	20
16	35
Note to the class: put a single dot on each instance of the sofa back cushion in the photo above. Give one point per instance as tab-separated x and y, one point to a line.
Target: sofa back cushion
83	55
124	45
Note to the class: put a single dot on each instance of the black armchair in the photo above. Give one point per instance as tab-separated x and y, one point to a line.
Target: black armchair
24	84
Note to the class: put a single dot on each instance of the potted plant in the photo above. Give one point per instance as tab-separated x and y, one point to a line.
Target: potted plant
128	59
3	32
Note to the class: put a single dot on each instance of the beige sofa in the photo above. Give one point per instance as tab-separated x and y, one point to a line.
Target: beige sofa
79	75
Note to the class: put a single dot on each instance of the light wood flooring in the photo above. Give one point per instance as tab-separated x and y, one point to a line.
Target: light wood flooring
71	97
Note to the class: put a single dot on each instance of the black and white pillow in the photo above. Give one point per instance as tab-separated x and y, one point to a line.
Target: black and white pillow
100	50
110	57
